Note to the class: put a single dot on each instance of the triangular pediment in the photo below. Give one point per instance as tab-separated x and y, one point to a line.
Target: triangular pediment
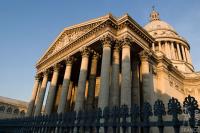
77	32
69	35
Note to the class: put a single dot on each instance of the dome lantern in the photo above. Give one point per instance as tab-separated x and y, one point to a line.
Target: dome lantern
154	15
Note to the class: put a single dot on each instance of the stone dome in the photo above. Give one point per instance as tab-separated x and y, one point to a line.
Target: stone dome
158	25
158	28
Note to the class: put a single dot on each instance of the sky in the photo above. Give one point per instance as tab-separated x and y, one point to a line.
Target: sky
28	27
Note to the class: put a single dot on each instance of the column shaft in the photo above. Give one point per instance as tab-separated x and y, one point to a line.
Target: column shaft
126	75
145	77
52	91
135	96
105	74
172	51
159	46
188	55
39	103
65	86
33	97
183	53
153	46
80	95
179	52
167	50
92	82
114	90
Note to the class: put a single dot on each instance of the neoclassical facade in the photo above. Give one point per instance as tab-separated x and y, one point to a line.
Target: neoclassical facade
112	61
12	108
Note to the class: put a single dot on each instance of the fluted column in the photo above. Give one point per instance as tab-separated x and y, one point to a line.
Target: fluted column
33	97
80	95
172	51
52	90
126	73
179	52
103	100
65	85
39	103
92	81
114	89
183	53
145	76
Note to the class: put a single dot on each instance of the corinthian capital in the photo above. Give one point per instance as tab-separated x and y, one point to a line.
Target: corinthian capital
85	51
69	60
56	67
106	40
126	41
46	72
144	55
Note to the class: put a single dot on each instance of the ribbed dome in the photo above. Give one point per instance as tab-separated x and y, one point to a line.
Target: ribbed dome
158	28
158	25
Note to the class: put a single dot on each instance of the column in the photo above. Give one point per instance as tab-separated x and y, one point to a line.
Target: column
167	50
69	96
52	90
65	85
179	52
33	97
153	46
114	89
145	76
39	103
172	51
188	55
92	81
183	52
80	95
159	46
126	73
105	73
135	96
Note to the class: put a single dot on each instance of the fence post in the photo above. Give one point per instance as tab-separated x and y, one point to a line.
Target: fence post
174	109
115	115
146	113
135	115
124	111
190	105
159	111
98	119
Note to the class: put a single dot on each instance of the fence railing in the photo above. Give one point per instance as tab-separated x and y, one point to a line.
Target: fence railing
115	119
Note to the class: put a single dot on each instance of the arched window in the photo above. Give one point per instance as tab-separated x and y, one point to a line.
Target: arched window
16	111
9	110
2	108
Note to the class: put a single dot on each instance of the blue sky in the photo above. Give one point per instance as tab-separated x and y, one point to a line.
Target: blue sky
28	27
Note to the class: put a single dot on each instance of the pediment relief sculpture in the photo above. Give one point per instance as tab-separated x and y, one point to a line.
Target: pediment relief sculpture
67	37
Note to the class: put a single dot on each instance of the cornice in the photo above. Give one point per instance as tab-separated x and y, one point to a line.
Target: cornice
107	21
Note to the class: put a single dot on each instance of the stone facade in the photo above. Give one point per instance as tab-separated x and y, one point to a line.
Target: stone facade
10	108
112	61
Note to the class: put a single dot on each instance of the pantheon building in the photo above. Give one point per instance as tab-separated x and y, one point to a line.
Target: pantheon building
110	61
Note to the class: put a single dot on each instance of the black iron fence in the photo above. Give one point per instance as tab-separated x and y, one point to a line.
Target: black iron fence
115	119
